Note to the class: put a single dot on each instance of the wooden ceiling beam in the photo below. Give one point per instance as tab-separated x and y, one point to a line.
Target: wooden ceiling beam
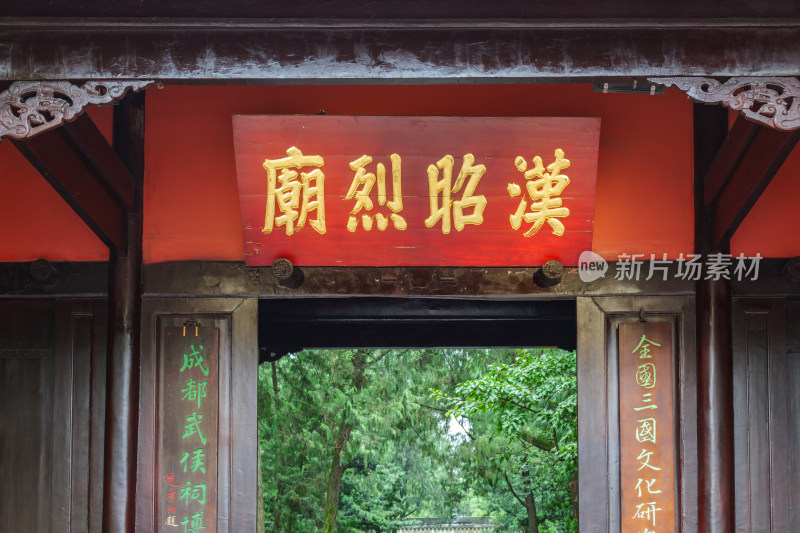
84	169
745	164
413	9
392	51
98	153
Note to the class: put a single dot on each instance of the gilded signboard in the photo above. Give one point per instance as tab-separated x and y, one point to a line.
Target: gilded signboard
416	191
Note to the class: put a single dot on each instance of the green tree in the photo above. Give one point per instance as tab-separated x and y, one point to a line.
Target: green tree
351	441
522	417
337	427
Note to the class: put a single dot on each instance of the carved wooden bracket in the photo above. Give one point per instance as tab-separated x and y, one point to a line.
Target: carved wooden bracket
769	101
28	108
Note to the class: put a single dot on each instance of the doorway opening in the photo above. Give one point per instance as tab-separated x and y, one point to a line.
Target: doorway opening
382	415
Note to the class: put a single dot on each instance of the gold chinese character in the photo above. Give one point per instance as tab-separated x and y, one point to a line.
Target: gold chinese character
646	462
541	191
647	398
443	187
363	202
644	347
647	511
646	375
293	192
649	484
646	430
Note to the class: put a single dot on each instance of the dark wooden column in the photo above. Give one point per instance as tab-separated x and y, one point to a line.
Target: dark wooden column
124	327
714	352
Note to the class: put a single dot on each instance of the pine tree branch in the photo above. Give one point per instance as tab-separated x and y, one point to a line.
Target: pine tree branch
381	356
431	407
522	503
298	390
535	441
471	437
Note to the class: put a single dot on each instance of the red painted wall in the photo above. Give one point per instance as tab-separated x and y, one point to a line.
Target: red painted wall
771	227
644	184
36	223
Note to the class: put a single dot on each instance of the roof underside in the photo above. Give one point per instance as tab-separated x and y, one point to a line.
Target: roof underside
398	9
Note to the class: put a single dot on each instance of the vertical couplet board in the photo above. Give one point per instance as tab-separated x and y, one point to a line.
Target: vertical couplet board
646	425
188	430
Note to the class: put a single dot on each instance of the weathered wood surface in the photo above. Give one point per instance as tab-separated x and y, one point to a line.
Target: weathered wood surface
598	387
765	429
124	331
414	9
52	365
76	279
715	480
394	50
79	408
216	278
26	417
237	462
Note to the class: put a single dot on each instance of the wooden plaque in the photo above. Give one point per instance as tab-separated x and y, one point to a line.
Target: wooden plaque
416	191
646	425
188	423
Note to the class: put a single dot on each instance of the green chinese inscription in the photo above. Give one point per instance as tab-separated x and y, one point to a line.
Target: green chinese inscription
193	524
189	384
194	359
193	492
197	461
194	391
192	426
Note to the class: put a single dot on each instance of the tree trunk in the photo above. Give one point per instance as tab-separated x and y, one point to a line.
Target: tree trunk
530	506
276	516
337	470
260	515
573	490
335	481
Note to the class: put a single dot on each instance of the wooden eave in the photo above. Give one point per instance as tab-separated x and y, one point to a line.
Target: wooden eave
393	50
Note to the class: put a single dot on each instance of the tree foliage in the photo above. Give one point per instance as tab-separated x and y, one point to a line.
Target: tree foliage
523	416
352	440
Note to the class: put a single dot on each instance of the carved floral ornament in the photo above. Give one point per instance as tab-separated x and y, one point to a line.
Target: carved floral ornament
769	101
28	108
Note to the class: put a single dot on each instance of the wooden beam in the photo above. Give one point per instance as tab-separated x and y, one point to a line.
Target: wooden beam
410	9
710	126
393	50
744	166
100	156
76	175
728	155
